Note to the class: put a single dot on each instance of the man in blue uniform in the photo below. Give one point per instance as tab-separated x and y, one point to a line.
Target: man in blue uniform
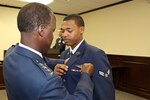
60	44
81	52
26	74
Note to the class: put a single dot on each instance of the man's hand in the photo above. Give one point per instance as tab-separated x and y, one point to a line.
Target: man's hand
60	69
88	68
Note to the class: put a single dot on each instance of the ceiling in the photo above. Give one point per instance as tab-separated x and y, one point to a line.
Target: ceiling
64	7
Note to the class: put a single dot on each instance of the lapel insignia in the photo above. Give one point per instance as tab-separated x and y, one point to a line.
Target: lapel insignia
104	74
77	53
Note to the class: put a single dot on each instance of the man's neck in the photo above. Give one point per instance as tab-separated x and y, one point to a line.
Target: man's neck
31	49
75	49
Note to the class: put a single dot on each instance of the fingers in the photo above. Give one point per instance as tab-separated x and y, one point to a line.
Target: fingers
62	66
60	69
87	64
88	68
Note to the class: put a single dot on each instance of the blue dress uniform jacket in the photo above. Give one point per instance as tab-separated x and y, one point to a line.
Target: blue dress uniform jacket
52	62
60	44
27	77
102	78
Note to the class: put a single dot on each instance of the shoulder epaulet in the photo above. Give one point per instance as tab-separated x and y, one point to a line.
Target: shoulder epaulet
13	45
47	71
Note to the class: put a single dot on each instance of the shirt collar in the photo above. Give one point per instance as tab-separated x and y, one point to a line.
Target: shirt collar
35	51
75	49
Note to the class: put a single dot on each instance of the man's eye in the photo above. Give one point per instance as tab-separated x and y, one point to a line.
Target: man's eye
70	30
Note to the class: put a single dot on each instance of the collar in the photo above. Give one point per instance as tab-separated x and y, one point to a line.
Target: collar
35	51
75	49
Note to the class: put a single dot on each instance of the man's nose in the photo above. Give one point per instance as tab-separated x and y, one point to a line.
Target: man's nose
64	34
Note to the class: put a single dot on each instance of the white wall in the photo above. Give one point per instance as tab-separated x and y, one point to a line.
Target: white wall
123	29
9	33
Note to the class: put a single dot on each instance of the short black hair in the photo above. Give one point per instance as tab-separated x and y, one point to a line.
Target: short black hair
32	15
77	18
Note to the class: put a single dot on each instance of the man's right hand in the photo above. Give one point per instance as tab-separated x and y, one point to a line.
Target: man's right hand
88	68
60	69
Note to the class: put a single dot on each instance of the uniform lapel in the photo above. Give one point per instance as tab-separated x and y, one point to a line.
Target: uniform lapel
78	54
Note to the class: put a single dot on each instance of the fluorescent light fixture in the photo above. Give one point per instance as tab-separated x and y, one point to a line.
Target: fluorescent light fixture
39	1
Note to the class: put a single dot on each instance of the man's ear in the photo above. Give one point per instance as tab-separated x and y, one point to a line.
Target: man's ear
41	30
81	30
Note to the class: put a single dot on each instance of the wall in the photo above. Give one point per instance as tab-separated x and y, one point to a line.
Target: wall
9	33
122	29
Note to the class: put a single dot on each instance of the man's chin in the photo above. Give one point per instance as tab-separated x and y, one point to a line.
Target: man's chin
68	44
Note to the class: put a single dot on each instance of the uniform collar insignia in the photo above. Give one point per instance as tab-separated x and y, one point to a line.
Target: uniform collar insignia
77	53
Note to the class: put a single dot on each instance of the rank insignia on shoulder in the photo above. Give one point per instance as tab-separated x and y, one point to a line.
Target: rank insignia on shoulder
77	53
44	67
104	74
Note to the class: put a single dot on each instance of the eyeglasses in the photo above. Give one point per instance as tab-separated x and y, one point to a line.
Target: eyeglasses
69	30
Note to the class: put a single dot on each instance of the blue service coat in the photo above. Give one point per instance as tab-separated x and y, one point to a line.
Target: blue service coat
27	77
102	78
60	44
